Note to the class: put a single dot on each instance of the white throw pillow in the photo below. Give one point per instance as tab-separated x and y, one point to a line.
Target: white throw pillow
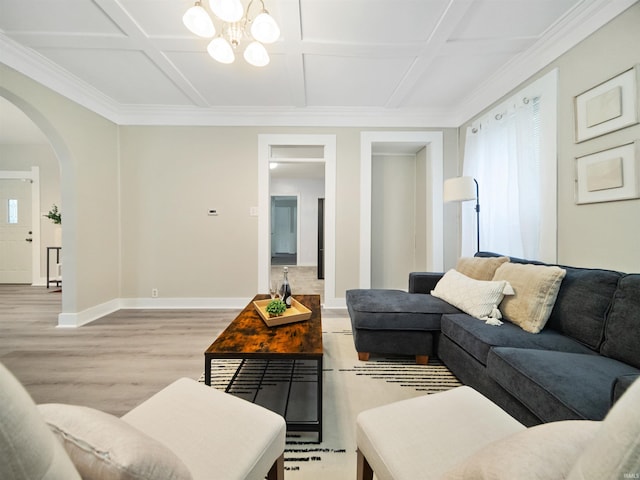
615	451
478	298
28	449
105	447
543	452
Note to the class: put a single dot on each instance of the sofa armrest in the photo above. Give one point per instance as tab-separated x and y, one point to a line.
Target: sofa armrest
423	282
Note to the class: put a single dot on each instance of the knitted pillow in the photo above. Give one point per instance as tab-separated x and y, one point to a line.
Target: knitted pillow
477	298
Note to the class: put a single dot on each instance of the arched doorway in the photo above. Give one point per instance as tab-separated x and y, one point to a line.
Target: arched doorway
67	194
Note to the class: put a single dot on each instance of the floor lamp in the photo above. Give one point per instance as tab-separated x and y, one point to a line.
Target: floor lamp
461	189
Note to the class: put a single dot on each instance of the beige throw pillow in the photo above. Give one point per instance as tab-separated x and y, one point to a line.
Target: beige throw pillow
477	298
543	452
480	268
105	447
536	289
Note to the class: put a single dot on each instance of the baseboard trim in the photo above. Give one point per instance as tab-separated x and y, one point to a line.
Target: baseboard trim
73	320
184	303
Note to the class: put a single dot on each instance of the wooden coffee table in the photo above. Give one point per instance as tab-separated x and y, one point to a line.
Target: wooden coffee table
278	367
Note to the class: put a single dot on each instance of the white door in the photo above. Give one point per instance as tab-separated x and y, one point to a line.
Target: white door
15	231
284	213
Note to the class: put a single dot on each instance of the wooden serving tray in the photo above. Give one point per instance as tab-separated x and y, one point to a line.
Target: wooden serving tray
297	313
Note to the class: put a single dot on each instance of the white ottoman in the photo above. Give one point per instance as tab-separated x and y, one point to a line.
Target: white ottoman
426	436
216	435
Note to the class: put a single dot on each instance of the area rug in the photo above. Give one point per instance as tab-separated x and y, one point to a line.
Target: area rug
350	386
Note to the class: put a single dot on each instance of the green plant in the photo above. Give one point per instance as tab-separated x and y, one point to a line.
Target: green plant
54	215
276	307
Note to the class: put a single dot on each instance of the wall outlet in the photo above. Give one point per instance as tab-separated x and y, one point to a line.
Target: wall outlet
154	293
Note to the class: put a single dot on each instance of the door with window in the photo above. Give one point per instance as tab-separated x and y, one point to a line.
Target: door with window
15	231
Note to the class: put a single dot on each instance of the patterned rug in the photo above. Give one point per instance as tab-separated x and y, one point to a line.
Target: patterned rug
349	387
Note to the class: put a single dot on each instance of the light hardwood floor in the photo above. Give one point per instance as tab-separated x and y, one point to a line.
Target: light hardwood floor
111	364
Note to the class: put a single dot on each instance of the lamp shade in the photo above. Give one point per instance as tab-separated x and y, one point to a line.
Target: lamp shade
459	189
227	10
198	21
265	29
221	51
255	54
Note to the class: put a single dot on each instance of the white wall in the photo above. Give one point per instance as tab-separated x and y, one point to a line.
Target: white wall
309	190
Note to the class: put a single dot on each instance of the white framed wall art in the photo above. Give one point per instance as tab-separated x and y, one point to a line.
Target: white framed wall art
609	175
610	106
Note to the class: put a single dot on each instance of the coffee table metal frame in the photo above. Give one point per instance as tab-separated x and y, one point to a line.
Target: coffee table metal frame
262	347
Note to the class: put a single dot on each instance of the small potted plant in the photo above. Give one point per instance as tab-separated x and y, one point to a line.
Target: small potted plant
54	215
276	307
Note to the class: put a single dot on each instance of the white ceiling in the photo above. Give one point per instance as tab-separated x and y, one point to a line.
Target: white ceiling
338	62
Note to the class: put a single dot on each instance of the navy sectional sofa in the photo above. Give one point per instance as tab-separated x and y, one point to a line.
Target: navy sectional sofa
575	368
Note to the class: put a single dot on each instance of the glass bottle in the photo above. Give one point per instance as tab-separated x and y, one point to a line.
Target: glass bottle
285	289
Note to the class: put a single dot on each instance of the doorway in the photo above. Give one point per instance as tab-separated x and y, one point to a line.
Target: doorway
428	205
302	153
16	233
284	230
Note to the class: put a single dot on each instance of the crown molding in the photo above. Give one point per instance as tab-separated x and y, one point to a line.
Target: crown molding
285	116
42	70
577	25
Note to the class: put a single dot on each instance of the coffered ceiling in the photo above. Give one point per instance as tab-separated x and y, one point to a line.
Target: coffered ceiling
338	62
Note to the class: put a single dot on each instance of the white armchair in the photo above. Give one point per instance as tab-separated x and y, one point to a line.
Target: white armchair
185	431
460	434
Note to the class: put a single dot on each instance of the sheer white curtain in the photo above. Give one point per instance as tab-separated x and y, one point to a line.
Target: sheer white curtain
503	155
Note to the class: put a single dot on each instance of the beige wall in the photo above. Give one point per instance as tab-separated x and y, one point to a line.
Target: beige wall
393	220
87	148
603	235
171	176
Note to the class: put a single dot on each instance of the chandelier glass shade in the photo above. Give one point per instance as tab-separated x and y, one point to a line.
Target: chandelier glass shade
237	25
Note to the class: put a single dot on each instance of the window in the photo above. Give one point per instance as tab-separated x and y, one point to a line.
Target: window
511	153
12	217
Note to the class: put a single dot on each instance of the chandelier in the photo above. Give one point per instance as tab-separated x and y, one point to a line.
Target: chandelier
237	24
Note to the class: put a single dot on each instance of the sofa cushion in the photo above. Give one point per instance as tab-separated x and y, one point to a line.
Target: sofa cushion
478	298
378	309
582	304
622	327
480	268
477	338
536	288
557	385
546	451
28	449
615	450
103	446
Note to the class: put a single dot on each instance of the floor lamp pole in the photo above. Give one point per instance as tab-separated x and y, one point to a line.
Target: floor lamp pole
477	214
